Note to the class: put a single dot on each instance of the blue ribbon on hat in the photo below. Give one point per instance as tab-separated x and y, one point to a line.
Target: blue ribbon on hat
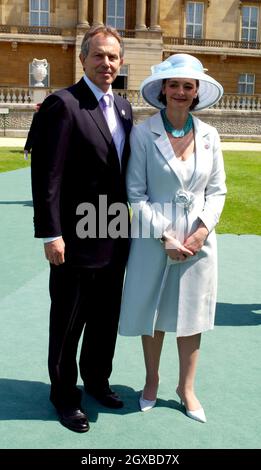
184	62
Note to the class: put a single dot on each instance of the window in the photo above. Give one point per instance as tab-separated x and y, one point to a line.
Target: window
39	12
121	81
249	24
194	20
246	84
115	14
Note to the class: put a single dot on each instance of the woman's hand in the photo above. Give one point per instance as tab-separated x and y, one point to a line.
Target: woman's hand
175	250
197	239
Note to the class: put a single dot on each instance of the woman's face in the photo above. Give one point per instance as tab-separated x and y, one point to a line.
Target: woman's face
180	92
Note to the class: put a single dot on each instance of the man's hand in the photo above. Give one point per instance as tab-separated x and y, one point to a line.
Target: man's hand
54	251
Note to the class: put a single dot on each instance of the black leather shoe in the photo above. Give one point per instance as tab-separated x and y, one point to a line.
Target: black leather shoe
106	397
73	419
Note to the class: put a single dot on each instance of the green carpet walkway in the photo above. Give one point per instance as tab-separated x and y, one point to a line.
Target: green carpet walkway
229	373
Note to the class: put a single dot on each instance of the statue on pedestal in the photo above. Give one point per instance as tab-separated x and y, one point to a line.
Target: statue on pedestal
39	71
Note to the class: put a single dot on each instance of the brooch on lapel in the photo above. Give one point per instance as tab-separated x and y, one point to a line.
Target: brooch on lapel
185	199
206	146
123	112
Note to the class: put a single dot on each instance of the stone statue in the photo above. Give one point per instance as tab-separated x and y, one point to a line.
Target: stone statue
39	71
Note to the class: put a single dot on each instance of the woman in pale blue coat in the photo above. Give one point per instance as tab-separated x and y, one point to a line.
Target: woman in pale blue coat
176	187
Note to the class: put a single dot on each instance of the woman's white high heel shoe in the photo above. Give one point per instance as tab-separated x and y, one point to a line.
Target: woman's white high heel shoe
197	415
146	405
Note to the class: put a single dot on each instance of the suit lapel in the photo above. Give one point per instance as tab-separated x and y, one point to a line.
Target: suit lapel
202	149
124	115
122	112
92	106
164	146
99	119
97	115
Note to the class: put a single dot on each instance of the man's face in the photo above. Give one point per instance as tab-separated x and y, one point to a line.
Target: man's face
103	60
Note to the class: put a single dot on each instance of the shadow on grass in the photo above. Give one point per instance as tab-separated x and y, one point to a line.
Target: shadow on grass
24	399
29	400
238	315
23	203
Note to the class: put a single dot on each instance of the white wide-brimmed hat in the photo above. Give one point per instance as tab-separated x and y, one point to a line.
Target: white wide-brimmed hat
181	66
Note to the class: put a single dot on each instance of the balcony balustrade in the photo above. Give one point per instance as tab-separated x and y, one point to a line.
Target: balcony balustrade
52	30
39	30
215	43
131	33
23	95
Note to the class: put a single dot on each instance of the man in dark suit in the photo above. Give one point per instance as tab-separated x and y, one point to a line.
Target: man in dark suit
32	132
78	163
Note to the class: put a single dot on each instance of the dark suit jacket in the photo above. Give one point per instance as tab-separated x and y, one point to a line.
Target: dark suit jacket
74	160
32	133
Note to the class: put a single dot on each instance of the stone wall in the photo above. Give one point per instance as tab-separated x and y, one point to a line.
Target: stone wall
231	124
221	18
14	63
18	120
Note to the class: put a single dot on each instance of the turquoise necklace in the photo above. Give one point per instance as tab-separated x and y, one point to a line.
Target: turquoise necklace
176	132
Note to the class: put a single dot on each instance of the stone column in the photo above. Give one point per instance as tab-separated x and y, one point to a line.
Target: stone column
154	16
83	13
140	15
98	12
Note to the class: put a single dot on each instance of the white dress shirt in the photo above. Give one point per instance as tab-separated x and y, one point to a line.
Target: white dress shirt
118	134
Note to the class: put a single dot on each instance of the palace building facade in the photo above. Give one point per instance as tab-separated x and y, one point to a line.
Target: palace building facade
224	34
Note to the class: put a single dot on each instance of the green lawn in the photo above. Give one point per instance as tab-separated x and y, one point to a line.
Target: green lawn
12	159
242	212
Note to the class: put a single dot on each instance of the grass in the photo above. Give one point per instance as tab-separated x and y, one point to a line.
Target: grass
242	211
12	159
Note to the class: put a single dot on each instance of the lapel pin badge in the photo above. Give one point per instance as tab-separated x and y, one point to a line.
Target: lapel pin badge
206	146
123	112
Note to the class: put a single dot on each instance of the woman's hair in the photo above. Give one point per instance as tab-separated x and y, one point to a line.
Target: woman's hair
106	31
162	97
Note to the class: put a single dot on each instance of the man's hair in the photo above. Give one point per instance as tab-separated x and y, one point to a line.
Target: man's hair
162	97
106	31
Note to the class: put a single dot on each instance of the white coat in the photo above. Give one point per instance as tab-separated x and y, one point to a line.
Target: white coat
181	297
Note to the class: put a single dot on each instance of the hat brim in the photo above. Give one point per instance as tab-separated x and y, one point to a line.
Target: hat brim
210	91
